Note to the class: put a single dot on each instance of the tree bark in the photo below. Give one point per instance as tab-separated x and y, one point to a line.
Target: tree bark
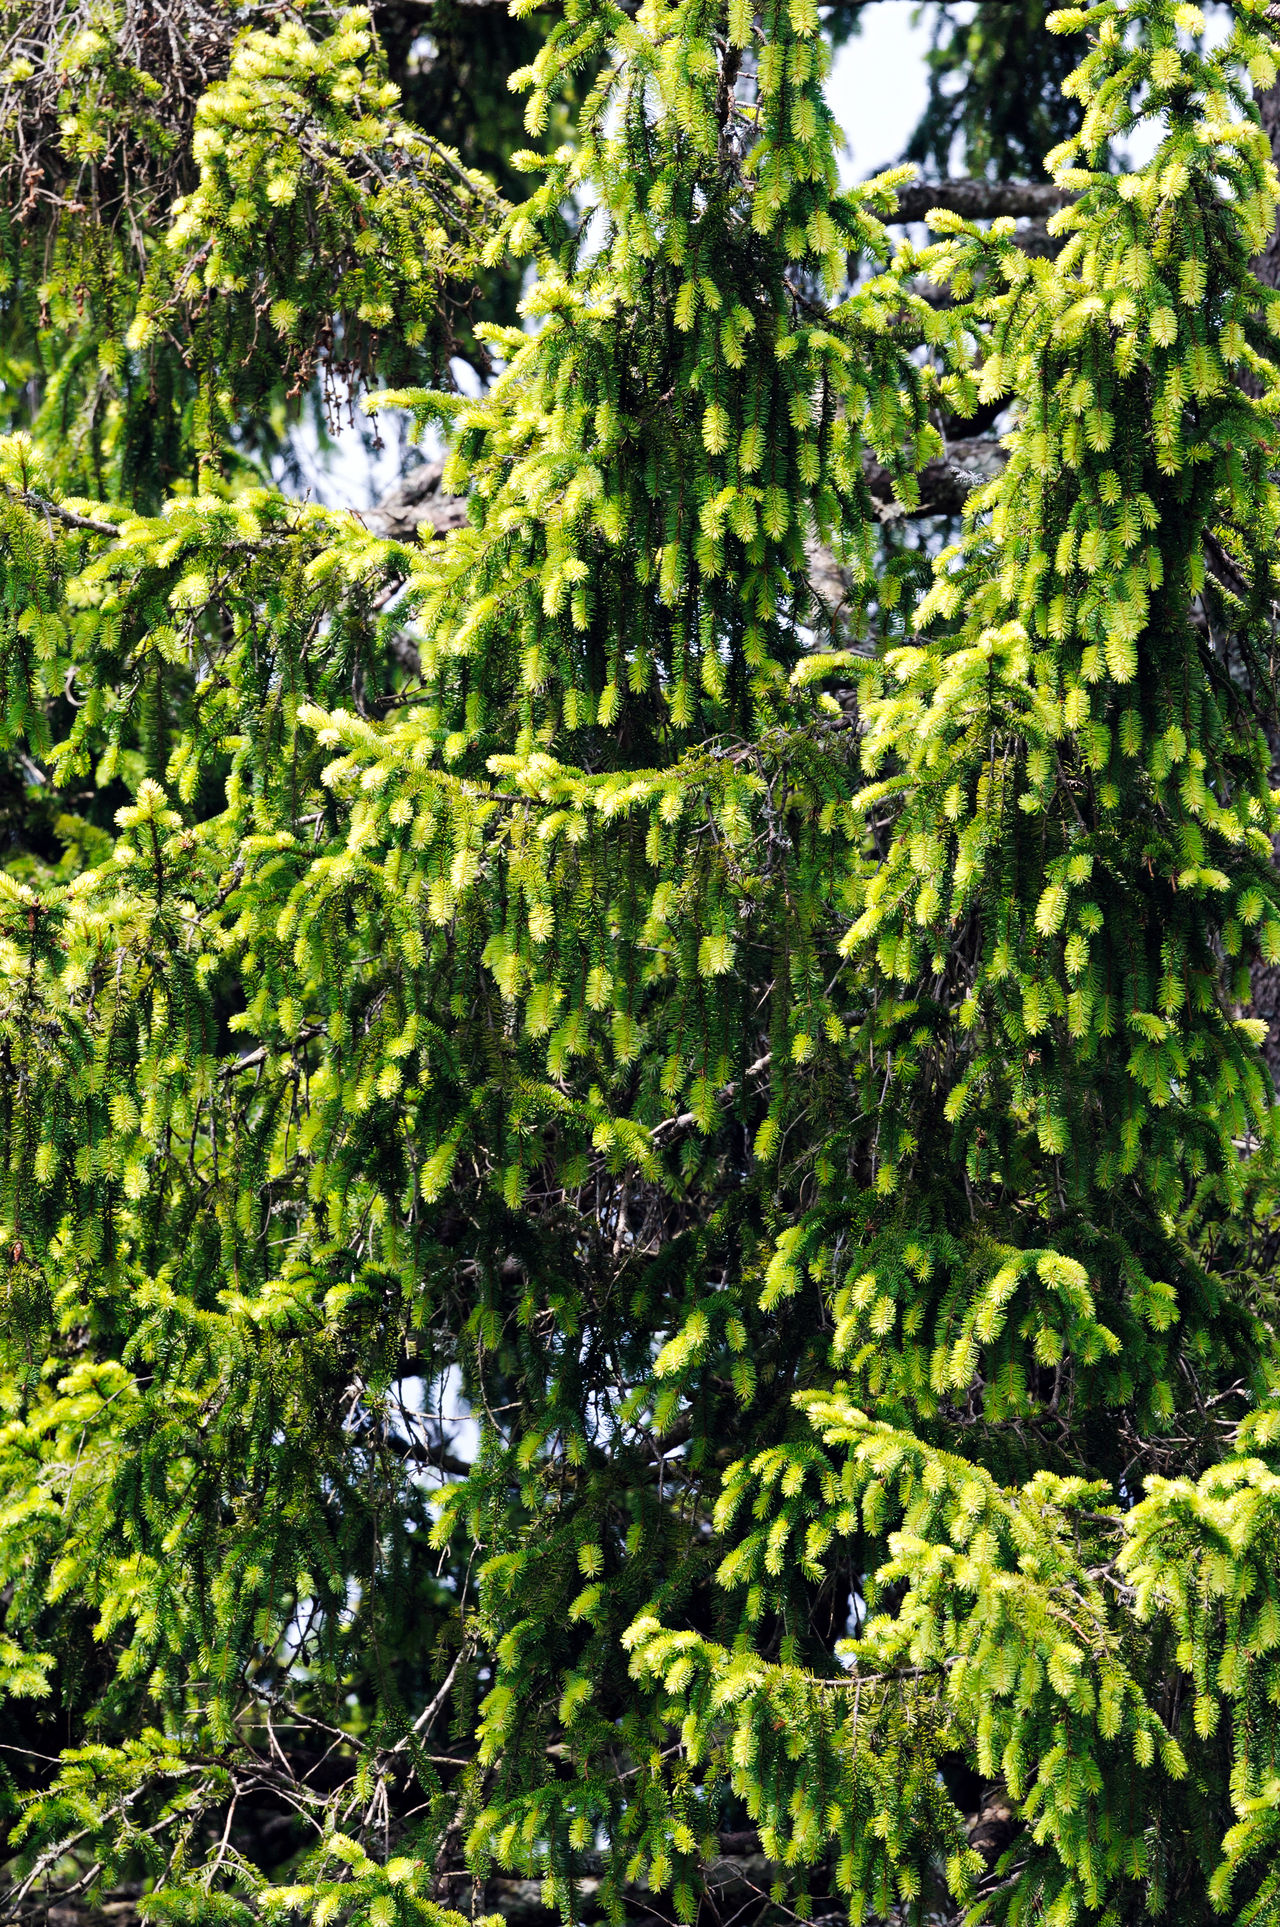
980	200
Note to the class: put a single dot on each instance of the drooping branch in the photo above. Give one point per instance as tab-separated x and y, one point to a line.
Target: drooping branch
418	500
1267	264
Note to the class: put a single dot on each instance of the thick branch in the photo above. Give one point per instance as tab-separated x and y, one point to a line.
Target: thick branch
417	498
980	200
944	484
67	517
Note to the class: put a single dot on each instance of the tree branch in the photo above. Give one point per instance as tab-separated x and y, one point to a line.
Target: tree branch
417	501
980	200
67	517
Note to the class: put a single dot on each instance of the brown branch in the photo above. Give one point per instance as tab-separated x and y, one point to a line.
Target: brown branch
418	502
66	516
980	200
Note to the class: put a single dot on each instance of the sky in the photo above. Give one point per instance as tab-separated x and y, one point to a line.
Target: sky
878	84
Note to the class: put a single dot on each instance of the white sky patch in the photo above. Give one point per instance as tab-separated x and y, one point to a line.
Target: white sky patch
879	85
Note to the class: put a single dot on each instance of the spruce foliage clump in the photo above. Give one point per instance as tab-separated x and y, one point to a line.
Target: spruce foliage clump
785	1069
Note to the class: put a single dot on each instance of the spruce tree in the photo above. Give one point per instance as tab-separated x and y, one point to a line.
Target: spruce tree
785	1068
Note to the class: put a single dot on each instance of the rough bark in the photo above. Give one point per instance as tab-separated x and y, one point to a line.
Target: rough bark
417	501
980	200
